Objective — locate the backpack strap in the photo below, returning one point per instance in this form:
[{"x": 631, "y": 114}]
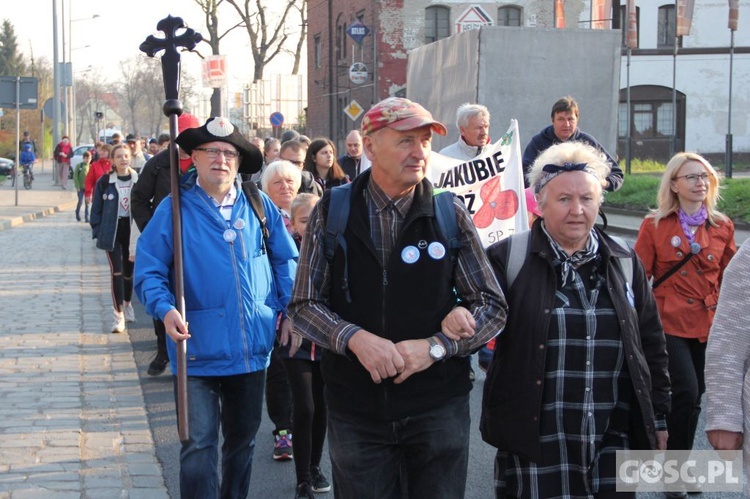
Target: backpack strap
[
  {"x": 626, "y": 262},
  {"x": 445, "y": 213},
  {"x": 338, "y": 216},
  {"x": 256, "y": 202},
  {"x": 518, "y": 246}
]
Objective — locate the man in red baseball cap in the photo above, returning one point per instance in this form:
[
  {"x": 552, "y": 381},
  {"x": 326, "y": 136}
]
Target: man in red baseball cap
[{"x": 396, "y": 370}]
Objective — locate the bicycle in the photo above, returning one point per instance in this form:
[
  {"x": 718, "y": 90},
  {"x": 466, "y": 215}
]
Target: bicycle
[{"x": 28, "y": 176}]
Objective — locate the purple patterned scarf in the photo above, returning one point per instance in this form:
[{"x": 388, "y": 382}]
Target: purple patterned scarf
[{"x": 696, "y": 220}]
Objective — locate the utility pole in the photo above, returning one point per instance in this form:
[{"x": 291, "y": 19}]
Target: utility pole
[{"x": 56, "y": 69}]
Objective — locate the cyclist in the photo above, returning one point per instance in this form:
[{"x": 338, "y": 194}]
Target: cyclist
[{"x": 27, "y": 160}]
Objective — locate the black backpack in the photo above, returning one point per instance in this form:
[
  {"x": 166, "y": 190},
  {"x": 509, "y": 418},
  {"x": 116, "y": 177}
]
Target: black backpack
[{"x": 256, "y": 202}]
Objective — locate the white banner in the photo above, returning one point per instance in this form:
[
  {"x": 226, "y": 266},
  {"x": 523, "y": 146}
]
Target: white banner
[{"x": 491, "y": 186}]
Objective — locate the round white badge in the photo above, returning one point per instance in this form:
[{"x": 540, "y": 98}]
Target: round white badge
[
  {"x": 230, "y": 235},
  {"x": 111, "y": 197},
  {"x": 675, "y": 241},
  {"x": 239, "y": 224},
  {"x": 410, "y": 254},
  {"x": 436, "y": 250}
]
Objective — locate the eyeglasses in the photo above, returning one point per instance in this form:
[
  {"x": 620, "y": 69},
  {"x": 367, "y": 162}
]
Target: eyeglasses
[
  {"x": 693, "y": 178},
  {"x": 214, "y": 153}
]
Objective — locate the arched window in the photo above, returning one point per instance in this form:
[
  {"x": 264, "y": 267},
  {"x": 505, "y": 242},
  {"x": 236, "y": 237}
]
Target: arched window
[
  {"x": 436, "y": 23},
  {"x": 652, "y": 121},
  {"x": 340, "y": 38},
  {"x": 509, "y": 15}
]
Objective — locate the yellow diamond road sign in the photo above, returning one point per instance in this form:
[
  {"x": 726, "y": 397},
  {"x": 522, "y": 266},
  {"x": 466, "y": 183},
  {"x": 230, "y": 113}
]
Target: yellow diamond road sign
[{"x": 354, "y": 110}]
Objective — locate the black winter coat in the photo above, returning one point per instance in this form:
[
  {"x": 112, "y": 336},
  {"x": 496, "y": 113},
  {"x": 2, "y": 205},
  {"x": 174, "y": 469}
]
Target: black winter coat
[
  {"x": 154, "y": 184},
  {"x": 512, "y": 401}
]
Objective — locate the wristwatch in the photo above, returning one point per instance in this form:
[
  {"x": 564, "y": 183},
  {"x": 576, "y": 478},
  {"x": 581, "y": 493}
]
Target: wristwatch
[{"x": 437, "y": 350}]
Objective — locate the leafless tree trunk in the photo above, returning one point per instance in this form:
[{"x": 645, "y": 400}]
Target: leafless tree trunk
[
  {"x": 267, "y": 38},
  {"x": 302, "y": 36},
  {"x": 129, "y": 93},
  {"x": 210, "y": 9}
]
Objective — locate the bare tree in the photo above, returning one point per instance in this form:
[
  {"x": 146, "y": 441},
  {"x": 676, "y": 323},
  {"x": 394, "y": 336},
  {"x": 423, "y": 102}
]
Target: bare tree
[
  {"x": 90, "y": 92},
  {"x": 210, "y": 10},
  {"x": 150, "y": 115},
  {"x": 129, "y": 92},
  {"x": 302, "y": 8},
  {"x": 267, "y": 38}
]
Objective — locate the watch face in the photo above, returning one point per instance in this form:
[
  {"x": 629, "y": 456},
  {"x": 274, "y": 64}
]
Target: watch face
[{"x": 437, "y": 352}]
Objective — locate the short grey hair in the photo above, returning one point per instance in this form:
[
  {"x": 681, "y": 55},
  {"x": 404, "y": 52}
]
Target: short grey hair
[
  {"x": 570, "y": 152},
  {"x": 467, "y": 111},
  {"x": 284, "y": 169}
]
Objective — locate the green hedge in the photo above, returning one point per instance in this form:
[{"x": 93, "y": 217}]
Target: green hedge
[{"x": 638, "y": 192}]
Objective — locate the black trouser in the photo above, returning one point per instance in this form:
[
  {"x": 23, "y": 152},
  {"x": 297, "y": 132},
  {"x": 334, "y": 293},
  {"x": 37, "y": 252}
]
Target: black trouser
[
  {"x": 161, "y": 339},
  {"x": 120, "y": 265},
  {"x": 278, "y": 396},
  {"x": 687, "y": 358},
  {"x": 310, "y": 415}
]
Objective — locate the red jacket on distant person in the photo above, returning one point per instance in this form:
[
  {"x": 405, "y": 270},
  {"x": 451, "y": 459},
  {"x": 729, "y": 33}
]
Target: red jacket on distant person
[
  {"x": 63, "y": 147},
  {"x": 98, "y": 168}
]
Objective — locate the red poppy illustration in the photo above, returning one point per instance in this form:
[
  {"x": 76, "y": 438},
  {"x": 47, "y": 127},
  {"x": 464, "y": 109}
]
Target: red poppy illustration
[{"x": 496, "y": 204}]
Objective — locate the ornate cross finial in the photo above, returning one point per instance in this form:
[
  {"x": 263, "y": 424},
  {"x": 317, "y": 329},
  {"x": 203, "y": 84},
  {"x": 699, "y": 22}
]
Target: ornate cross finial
[{"x": 170, "y": 61}]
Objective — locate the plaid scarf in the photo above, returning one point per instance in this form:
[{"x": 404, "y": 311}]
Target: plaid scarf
[{"x": 569, "y": 263}]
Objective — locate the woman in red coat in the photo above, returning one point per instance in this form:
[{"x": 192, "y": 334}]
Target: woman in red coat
[
  {"x": 63, "y": 152},
  {"x": 100, "y": 167},
  {"x": 688, "y": 234}
]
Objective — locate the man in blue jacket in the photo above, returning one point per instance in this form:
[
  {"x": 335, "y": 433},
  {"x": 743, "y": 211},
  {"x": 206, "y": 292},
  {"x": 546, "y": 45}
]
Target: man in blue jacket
[
  {"x": 236, "y": 282},
  {"x": 564, "y": 127}
]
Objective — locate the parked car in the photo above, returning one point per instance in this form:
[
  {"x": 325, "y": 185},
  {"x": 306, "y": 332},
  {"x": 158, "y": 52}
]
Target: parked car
[
  {"x": 78, "y": 156},
  {"x": 6, "y": 166}
]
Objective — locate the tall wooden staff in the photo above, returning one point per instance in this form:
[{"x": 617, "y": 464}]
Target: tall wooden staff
[{"x": 170, "y": 66}]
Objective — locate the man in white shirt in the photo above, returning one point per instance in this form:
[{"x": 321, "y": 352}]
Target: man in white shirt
[{"x": 473, "y": 122}]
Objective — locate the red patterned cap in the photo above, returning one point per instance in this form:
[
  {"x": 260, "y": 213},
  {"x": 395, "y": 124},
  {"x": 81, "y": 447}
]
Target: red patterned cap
[{"x": 400, "y": 114}]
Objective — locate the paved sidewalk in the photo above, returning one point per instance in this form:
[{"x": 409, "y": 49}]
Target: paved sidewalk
[
  {"x": 41, "y": 200},
  {"x": 72, "y": 420}
]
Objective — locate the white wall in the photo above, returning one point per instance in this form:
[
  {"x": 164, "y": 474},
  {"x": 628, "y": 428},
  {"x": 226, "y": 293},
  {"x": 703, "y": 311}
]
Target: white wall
[{"x": 703, "y": 78}]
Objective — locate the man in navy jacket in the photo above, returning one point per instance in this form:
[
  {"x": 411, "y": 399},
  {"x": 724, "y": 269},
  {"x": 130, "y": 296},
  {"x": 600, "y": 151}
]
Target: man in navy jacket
[{"x": 564, "y": 128}]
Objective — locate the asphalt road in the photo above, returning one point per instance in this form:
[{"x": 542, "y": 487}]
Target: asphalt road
[
  {"x": 273, "y": 479},
  {"x": 270, "y": 479}
]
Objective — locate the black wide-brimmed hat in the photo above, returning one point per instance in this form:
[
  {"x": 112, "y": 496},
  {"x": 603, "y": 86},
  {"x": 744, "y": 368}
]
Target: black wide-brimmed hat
[{"x": 219, "y": 129}]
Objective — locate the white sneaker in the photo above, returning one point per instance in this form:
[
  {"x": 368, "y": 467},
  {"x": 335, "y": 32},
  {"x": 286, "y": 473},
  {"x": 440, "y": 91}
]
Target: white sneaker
[
  {"x": 129, "y": 313},
  {"x": 118, "y": 322}
]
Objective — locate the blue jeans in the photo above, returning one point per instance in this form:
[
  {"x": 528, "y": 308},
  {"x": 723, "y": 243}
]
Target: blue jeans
[
  {"x": 78, "y": 206},
  {"x": 422, "y": 456},
  {"x": 236, "y": 403}
]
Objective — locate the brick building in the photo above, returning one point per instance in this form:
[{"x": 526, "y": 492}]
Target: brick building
[
  {"x": 701, "y": 77},
  {"x": 395, "y": 27}
]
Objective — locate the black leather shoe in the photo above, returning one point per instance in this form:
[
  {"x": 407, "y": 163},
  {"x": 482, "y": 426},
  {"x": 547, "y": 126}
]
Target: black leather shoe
[{"x": 158, "y": 366}]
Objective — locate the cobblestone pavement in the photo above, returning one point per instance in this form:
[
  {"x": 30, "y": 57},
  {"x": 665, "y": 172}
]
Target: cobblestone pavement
[{"x": 72, "y": 417}]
